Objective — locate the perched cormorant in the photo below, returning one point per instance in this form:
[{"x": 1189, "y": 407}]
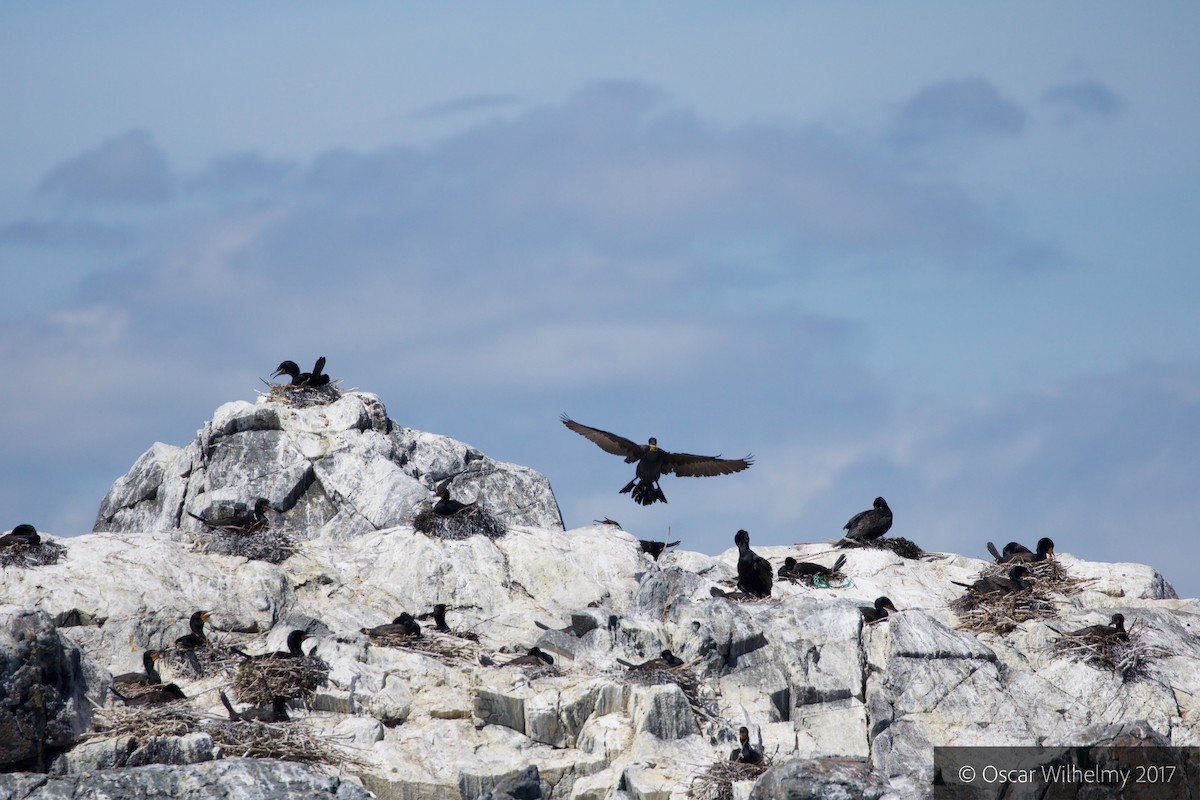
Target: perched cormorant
[
  {"x": 310, "y": 379},
  {"x": 746, "y": 754},
  {"x": 880, "y": 611},
  {"x": 870, "y": 524},
  {"x": 666, "y": 660},
  {"x": 403, "y": 625},
  {"x": 1015, "y": 553},
  {"x": 652, "y": 462},
  {"x": 439, "y": 617},
  {"x": 1114, "y": 630},
  {"x": 447, "y": 506},
  {"x": 245, "y": 522},
  {"x": 276, "y": 712},
  {"x": 295, "y": 640},
  {"x": 22, "y": 534},
  {"x": 168, "y": 693},
  {"x": 754, "y": 571},
  {"x": 148, "y": 678},
  {"x": 534, "y": 657},
  {"x": 793, "y": 569},
  {"x": 1000, "y": 584},
  {"x": 194, "y": 639},
  {"x": 655, "y": 549}
]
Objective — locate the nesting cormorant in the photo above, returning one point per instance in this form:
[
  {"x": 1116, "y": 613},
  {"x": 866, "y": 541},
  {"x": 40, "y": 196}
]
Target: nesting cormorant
[
  {"x": 999, "y": 584},
  {"x": 22, "y": 534},
  {"x": 168, "y": 693},
  {"x": 652, "y": 462},
  {"x": 534, "y": 657},
  {"x": 880, "y": 610},
  {"x": 245, "y": 522},
  {"x": 439, "y": 617},
  {"x": 666, "y": 660},
  {"x": 655, "y": 549},
  {"x": 1114, "y": 630},
  {"x": 310, "y": 379},
  {"x": 1015, "y": 553},
  {"x": 754, "y": 572},
  {"x": 793, "y": 569},
  {"x": 295, "y": 641},
  {"x": 746, "y": 753},
  {"x": 870, "y": 524},
  {"x": 276, "y": 712},
  {"x": 447, "y": 506},
  {"x": 194, "y": 639},
  {"x": 607, "y": 521},
  {"x": 148, "y": 678},
  {"x": 403, "y": 625}
]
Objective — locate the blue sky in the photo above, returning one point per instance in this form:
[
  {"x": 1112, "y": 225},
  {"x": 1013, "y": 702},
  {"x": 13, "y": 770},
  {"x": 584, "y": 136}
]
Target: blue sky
[{"x": 942, "y": 253}]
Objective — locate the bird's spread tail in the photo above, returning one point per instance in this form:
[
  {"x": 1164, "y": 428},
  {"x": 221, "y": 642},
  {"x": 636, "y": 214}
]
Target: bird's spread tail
[{"x": 647, "y": 493}]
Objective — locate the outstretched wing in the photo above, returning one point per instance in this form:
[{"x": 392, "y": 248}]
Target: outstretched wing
[
  {"x": 686, "y": 465},
  {"x": 608, "y": 442}
]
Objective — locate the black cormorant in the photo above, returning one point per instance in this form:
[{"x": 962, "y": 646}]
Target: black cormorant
[
  {"x": 793, "y": 569},
  {"x": 276, "y": 712},
  {"x": 746, "y": 753},
  {"x": 870, "y": 524},
  {"x": 655, "y": 549},
  {"x": 446, "y": 505},
  {"x": 534, "y": 657},
  {"x": 1114, "y": 630},
  {"x": 309, "y": 379},
  {"x": 880, "y": 610},
  {"x": 666, "y": 660},
  {"x": 1015, "y": 581},
  {"x": 148, "y": 678},
  {"x": 653, "y": 462},
  {"x": 403, "y": 625},
  {"x": 194, "y": 639},
  {"x": 754, "y": 571},
  {"x": 168, "y": 693},
  {"x": 439, "y": 617},
  {"x": 295, "y": 649},
  {"x": 1015, "y": 553},
  {"x": 245, "y": 522},
  {"x": 22, "y": 534}
]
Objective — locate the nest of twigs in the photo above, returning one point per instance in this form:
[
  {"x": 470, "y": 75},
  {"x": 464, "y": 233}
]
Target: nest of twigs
[
  {"x": 473, "y": 521},
  {"x": 686, "y": 680},
  {"x": 1001, "y": 613},
  {"x": 260, "y": 682},
  {"x": 264, "y": 545},
  {"x": 1049, "y": 575},
  {"x": 716, "y": 782},
  {"x": 448, "y": 649},
  {"x": 287, "y": 741},
  {"x": 43, "y": 554},
  {"x": 905, "y": 548},
  {"x": 214, "y": 657},
  {"x": 304, "y": 396},
  {"x": 1130, "y": 660}
]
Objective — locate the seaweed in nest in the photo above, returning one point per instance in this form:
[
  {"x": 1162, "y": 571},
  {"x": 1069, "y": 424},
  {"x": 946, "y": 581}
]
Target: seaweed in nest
[
  {"x": 716, "y": 782},
  {"x": 449, "y": 649},
  {"x": 1130, "y": 660},
  {"x": 214, "y": 657},
  {"x": 260, "y": 682},
  {"x": 304, "y": 396},
  {"x": 1001, "y": 613},
  {"x": 265, "y": 545},
  {"x": 473, "y": 521},
  {"x": 43, "y": 554},
  {"x": 905, "y": 548},
  {"x": 686, "y": 680}
]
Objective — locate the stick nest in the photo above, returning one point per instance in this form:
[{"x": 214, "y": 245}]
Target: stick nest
[
  {"x": 304, "y": 396},
  {"x": 905, "y": 548},
  {"x": 1128, "y": 660},
  {"x": 213, "y": 658},
  {"x": 449, "y": 649},
  {"x": 686, "y": 680},
  {"x": 260, "y": 682},
  {"x": 716, "y": 782},
  {"x": 1000, "y": 614},
  {"x": 287, "y": 741},
  {"x": 25, "y": 556},
  {"x": 473, "y": 521},
  {"x": 265, "y": 545}
]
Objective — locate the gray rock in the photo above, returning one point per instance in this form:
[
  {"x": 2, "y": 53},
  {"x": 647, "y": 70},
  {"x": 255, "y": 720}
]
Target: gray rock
[
  {"x": 129, "y": 751},
  {"x": 819, "y": 779},
  {"x": 226, "y": 779},
  {"x": 524, "y": 785},
  {"x": 43, "y": 706}
]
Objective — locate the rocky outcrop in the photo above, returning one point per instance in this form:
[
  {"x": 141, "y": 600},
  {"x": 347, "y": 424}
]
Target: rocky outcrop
[
  {"x": 842, "y": 708},
  {"x": 333, "y": 470}
]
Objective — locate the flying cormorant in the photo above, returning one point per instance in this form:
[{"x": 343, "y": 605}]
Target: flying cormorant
[
  {"x": 793, "y": 569},
  {"x": 447, "y": 506},
  {"x": 148, "y": 678},
  {"x": 276, "y": 712},
  {"x": 1000, "y": 584},
  {"x": 652, "y": 462},
  {"x": 746, "y": 753},
  {"x": 168, "y": 693},
  {"x": 1015, "y": 553},
  {"x": 666, "y": 660},
  {"x": 870, "y": 524},
  {"x": 754, "y": 572},
  {"x": 879, "y": 612},
  {"x": 22, "y": 534},
  {"x": 245, "y": 522},
  {"x": 403, "y": 625},
  {"x": 194, "y": 639}
]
